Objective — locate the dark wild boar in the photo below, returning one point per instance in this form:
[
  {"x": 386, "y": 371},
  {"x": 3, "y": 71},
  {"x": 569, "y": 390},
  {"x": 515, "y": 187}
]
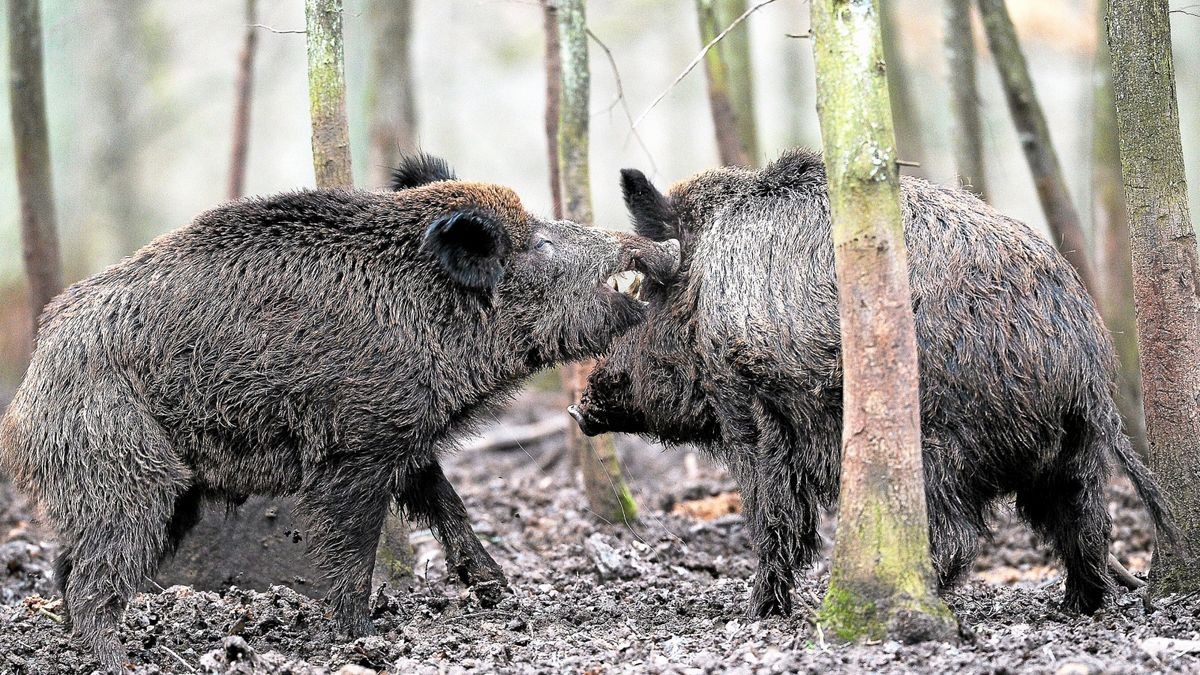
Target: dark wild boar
[
  {"x": 741, "y": 355},
  {"x": 325, "y": 344}
]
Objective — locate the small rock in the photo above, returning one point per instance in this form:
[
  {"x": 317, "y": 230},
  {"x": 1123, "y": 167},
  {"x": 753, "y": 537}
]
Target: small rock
[{"x": 610, "y": 562}]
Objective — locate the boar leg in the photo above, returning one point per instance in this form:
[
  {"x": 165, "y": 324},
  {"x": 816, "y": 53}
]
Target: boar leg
[
  {"x": 428, "y": 496},
  {"x": 956, "y": 518},
  {"x": 113, "y": 520},
  {"x": 343, "y": 509},
  {"x": 1070, "y": 513},
  {"x": 781, "y": 513}
]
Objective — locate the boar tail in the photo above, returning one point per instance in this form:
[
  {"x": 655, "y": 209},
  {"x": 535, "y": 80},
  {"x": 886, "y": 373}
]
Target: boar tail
[{"x": 1145, "y": 484}]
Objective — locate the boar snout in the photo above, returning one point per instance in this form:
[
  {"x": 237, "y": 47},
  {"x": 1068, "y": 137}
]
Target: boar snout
[{"x": 659, "y": 261}]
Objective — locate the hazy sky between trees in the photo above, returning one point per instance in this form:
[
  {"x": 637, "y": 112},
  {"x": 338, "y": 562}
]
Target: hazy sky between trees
[{"x": 168, "y": 89}]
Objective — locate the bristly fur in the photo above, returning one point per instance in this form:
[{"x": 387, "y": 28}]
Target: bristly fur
[
  {"x": 420, "y": 169},
  {"x": 742, "y": 356},
  {"x": 649, "y": 210},
  {"x": 326, "y": 344}
]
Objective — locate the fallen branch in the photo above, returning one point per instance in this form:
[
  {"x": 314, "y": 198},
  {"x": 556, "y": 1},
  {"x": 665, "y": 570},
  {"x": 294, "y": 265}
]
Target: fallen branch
[
  {"x": 1122, "y": 575},
  {"x": 513, "y": 437}
]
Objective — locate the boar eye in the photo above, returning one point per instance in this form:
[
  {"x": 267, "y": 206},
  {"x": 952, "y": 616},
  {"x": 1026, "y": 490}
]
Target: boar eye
[{"x": 545, "y": 247}]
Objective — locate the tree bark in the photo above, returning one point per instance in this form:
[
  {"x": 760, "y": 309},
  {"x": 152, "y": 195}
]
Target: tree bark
[
  {"x": 327, "y": 93},
  {"x": 730, "y": 81},
  {"x": 31, "y": 139},
  {"x": 241, "y": 111},
  {"x": 553, "y": 101},
  {"x": 1166, "y": 273},
  {"x": 1110, "y": 227},
  {"x": 607, "y": 494},
  {"x": 905, "y": 117},
  {"x": 390, "y": 100},
  {"x": 966, "y": 128},
  {"x": 881, "y": 583},
  {"x": 1034, "y": 134}
]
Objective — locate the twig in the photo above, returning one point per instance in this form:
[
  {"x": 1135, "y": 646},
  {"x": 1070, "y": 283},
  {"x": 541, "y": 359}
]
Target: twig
[
  {"x": 700, "y": 57},
  {"x": 50, "y": 615},
  {"x": 178, "y": 658},
  {"x": 798, "y": 36},
  {"x": 276, "y": 30},
  {"x": 905, "y": 162},
  {"x": 621, "y": 99}
]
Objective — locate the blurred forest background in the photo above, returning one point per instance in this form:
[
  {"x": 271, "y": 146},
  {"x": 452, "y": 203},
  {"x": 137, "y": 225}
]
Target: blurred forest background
[{"x": 140, "y": 97}]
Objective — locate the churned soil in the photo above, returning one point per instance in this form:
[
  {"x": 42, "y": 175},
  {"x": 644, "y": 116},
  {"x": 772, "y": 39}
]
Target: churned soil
[{"x": 667, "y": 593}]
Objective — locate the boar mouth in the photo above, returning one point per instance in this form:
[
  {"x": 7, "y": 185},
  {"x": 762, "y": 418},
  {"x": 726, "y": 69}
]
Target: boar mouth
[{"x": 627, "y": 283}]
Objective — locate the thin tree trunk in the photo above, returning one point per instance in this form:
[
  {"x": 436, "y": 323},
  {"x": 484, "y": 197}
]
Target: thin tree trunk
[
  {"x": 553, "y": 101},
  {"x": 391, "y": 101},
  {"x": 128, "y": 111},
  {"x": 1110, "y": 225},
  {"x": 27, "y": 101},
  {"x": 241, "y": 112},
  {"x": 1166, "y": 272},
  {"x": 607, "y": 494},
  {"x": 967, "y": 130},
  {"x": 905, "y": 117},
  {"x": 327, "y": 93},
  {"x": 730, "y": 81},
  {"x": 1030, "y": 121},
  {"x": 881, "y": 583}
]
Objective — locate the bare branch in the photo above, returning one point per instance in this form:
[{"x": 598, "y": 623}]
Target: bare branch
[
  {"x": 700, "y": 57},
  {"x": 623, "y": 101},
  {"x": 275, "y": 30}
]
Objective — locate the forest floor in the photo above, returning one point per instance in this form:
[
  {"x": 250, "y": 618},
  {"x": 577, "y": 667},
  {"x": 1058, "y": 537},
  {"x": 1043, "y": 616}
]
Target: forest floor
[{"x": 665, "y": 594}]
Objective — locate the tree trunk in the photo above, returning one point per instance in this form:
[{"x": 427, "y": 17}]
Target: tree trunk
[
  {"x": 1027, "y": 115},
  {"x": 1166, "y": 273},
  {"x": 131, "y": 115},
  {"x": 730, "y": 81},
  {"x": 553, "y": 101},
  {"x": 327, "y": 93},
  {"x": 967, "y": 130},
  {"x": 905, "y": 117},
  {"x": 881, "y": 583},
  {"x": 27, "y": 101},
  {"x": 607, "y": 494},
  {"x": 390, "y": 100},
  {"x": 241, "y": 112},
  {"x": 1110, "y": 227}
]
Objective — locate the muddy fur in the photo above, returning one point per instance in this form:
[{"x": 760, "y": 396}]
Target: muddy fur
[
  {"x": 741, "y": 355},
  {"x": 325, "y": 344}
]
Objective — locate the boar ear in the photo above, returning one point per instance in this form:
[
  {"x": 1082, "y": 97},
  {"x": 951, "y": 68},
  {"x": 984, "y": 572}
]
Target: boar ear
[
  {"x": 652, "y": 214},
  {"x": 472, "y": 247}
]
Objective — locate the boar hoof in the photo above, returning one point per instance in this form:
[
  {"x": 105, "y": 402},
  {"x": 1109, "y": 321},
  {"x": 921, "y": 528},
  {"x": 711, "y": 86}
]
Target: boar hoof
[{"x": 490, "y": 593}]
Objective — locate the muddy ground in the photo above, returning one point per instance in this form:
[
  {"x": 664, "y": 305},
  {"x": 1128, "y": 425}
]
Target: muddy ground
[{"x": 664, "y": 594}]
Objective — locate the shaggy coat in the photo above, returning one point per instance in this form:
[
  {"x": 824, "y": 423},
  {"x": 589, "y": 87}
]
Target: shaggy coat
[
  {"x": 325, "y": 344},
  {"x": 741, "y": 355}
]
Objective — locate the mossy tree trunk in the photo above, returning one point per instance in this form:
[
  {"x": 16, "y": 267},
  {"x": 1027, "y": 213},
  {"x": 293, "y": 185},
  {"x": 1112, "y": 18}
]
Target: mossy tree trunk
[
  {"x": 730, "y": 81},
  {"x": 553, "y": 101},
  {"x": 905, "y": 117},
  {"x": 241, "y": 107},
  {"x": 327, "y": 93},
  {"x": 966, "y": 127},
  {"x": 1027, "y": 115},
  {"x": 607, "y": 494},
  {"x": 31, "y": 140},
  {"x": 331, "y": 162},
  {"x": 390, "y": 100},
  {"x": 1166, "y": 272},
  {"x": 1110, "y": 228},
  {"x": 881, "y": 583}
]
